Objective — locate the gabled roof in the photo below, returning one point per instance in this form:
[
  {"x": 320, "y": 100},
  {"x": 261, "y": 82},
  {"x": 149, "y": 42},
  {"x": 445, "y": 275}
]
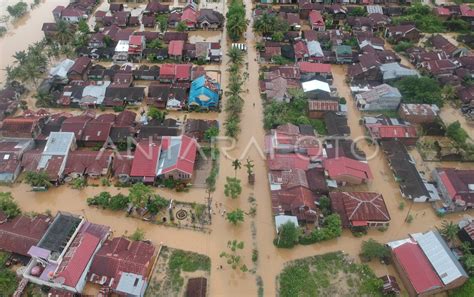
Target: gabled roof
[
  {"x": 145, "y": 161},
  {"x": 323, "y": 105},
  {"x": 287, "y": 162},
  {"x": 19, "y": 234},
  {"x": 176, "y": 47},
  {"x": 343, "y": 166},
  {"x": 309, "y": 67},
  {"x": 458, "y": 183},
  {"x": 178, "y": 153},
  {"x": 359, "y": 207},
  {"x": 80, "y": 65},
  {"x": 315, "y": 18}
]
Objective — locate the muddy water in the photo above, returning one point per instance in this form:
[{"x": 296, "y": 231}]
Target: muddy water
[
  {"x": 450, "y": 115},
  {"x": 28, "y": 32}
]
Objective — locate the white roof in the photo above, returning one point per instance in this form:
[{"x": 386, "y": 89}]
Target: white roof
[
  {"x": 58, "y": 143},
  {"x": 315, "y": 84},
  {"x": 440, "y": 256},
  {"x": 283, "y": 219},
  {"x": 61, "y": 69},
  {"x": 314, "y": 48},
  {"x": 122, "y": 46},
  {"x": 374, "y": 9},
  {"x": 95, "y": 93}
]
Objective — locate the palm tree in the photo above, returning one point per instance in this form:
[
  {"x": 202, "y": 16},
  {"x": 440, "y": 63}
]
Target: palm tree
[
  {"x": 236, "y": 27},
  {"x": 235, "y": 55},
  {"x": 237, "y": 165},
  {"x": 64, "y": 33},
  {"x": 43, "y": 99},
  {"x": 20, "y": 57},
  {"x": 265, "y": 24},
  {"x": 449, "y": 230}
]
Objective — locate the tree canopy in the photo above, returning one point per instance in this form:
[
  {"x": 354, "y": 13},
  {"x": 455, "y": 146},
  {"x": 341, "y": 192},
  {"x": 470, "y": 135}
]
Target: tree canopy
[
  {"x": 17, "y": 10},
  {"x": 288, "y": 235},
  {"x": 236, "y": 23},
  {"x": 232, "y": 188},
  {"x": 37, "y": 179},
  {"x": 8, "y": 205},
  {"x": 420, "y": 90},
  {"x": 457, "y": 133},
  {"x": 139, "y": 194},
  {"x": 235, "y": 217},
  {"x": 372, "y": 249}
]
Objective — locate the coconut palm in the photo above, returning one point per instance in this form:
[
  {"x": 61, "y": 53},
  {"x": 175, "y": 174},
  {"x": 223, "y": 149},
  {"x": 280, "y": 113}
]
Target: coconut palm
[
  {"x": 64, "y": 33},
  {"x": 449, "y": 230},
  {"x": 237, "y": 165},
  {"x": 236, "y": 26},
  {"x": 235, "y": 55},
  {"x": 265, "y": 24}
]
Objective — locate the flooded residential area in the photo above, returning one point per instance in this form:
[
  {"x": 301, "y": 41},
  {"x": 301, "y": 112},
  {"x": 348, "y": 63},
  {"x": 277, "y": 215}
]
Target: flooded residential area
[{"x": 236, "y": 148}]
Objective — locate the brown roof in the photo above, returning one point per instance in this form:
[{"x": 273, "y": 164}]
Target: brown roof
[
  {"x": 19, "y": 234},
  {"x": 316, "y": 180},
  {"x": 196, "y": 287},
  {"x": 87, "y": 162},
  {"x": 80, "y": 66},
  {"x": 359, "y": 206},
  {"x": 19, "y": 126},
  {"x": 323, "y": 105}
]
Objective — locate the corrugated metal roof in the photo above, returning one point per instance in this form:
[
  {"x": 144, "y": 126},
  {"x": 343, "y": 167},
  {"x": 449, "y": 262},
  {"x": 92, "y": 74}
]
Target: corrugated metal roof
[{"x": 442, "y": 259}]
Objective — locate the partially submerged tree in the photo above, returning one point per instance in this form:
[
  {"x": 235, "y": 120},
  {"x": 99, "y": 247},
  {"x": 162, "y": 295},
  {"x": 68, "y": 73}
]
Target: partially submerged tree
[
  {"x": 8, "y": 206},
  {"x": 237, "y": 165},
  {"x": 235, "y": 217},
  {"x": 449, "y": 230},
  {"x": 37, "y": 179},
  {"x": 138, "y": 235},
  {"x": 371, "y": 249},
  {"x": 232, "y": 188},
  {"x": 288, "y": 235},
  {"x": 139, "y": 194}
]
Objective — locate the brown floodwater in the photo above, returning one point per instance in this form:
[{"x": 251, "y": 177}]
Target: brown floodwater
[{"x": 227, "y": 282}]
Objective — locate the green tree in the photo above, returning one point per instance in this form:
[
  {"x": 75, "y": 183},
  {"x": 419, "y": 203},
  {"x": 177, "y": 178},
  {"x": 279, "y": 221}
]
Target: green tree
[
  {"x": 449, "y": 230},
  {"x": 83, "y": 27},
  {"x": 237, "y": 165},
  {"x": 278, "y": 36},
  {"x": 449, "y": 93},
  {"x": 138, "y": 235},
  {"x": 420, "y": 90},
  {"x": 249, "y": 165},
  {"x": 18, "y": 10},
  {"x": 325, "y": 205},
  {"x": 156, "y": 43},
  {"x": 288, "y": 235},
  {"x": 79, "y": 183},
  {"x": 236, "y": 22},
  {"x": 211, "y": 133},
  {"x": 156, "y": 114},
  {"x": 8, "y": 282},
  {"x": 181, "y": 27},
  {"x": 64, "y": 34},
  {"x": 156, "y": 203},
  {"x": 235, "y": 217},
  {"x": 139, "y": 194},
  {"x": 37, "y": 179},
  {"x": 371, "y": 249},
  {"x": 357, "y": 11},
  {"x": 118, "y": 202},
  {"x": 232, "y": 188},
  {"x": 8, "y": 206},
  {"x": 457, "y": 133},
  {"x": 162, "y": 21},
  {"x": 235, "y": 55},
  {"x": 232, "y": 127}
]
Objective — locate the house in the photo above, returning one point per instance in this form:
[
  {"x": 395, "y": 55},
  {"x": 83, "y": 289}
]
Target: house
[
  {"x": 11, "y": 152},
  {"x": 297, "y": 201},
  {"x": 149, "y": 21},
  {"x": 360, "y": 23},
  {"x": 382, "y": 97},
  {"x": 316, "y": 89},
  {"x": 114, "y": 7},
  {"x": 76, "y": 124},
  {"x": 145, "y": 162},
  {"x": 403, "y": 33},
  {"x": 466, "y": 12},
  {"x": 22, "y": 126},
  {"x": 92, "y": 164},
  {"x": 204, "y": 93},
  {"x": 177, "y": 158},
  {"x": 412, "y": 185},
  {"x": 79, "y": 69},
  {"x": 344, "y": 170},
  {"x": 439, "y": 68},
  {"x": 57, "y": 12},
  {"x": 317, "y": 181},
  {"x": 277, "y": 89},
  {"x": 175, "y": 49},
  {"x": 119, "y": 96},
  {"x": 316, "y": 21},
  {"x": 19, "y": 234},
  {"x": 121, "y": 168},
  {"x": 287, "y": 139},
  {"x": 466, "y": 94},
  {"x": 301, "y": 51},
  {"x": 360, "y": 209},
  {"x": 96, "y": 132},
  {"x": 343, "y": 54},
  {"x": 171, "y": 73},
  {"x": 287, "y": 162},
  {"x": 310, "y": 71},
  {"x": 97, "y": 40},
  {"x": 426, "y": 264},
  {"x": 196, "y": 128},
  {"x": 315, "y": 52},
  {"x": 124, "y": 266},
  {"x": 394, "y": 71},
  {"x": 136, "y": 45},
  {"x": 169, "y": 36},
  {"x": 455, "y": 187},
  {"x": 63, "y": 256},
  {"x": 166, "y": 96},
  {"x": 441, "y": 44},
  {"x": 49, "y": 29},
  {"x": 318, "y": 108},
  {"x": 190, "y": 15},
  {"x": 336, "y": 124},
  {"x": 404, "y": 133},
  {"x": 293, "y": 20},
  {"x": 154, "y": 6},
  {"x": 72, "y": 15},
  {"x": 379, "y": 20},
  {"x": 121, "y": 52},
  {"x": 418, "y": 113},
  {"x": 367, "y": 70},
  {"x": 209, "y": 19},
  {"x": 144, "y": 72}
]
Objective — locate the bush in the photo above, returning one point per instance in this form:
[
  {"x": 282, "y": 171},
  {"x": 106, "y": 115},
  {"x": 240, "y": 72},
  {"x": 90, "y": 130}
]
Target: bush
[
  {"x": 8, "y": 205},
  {"x": 138, "y": 235},
  {"x": 403, "y": 46},
  {"x": 331, "y": 229},
  {"x": 371, "y": 249},
  {"x": 457, "y": 133},
  {"x": 17, "y": 10},
  {"x": 401, "y": 206},
  {"x": 287, "y": 236}
]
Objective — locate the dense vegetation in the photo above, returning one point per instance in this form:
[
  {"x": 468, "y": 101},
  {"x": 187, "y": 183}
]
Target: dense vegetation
[
  {"x": 271, "y": 25},
  {"x": 331, "y": 228},
  {"x": 328, "y": 275},
  {"x": 457, "y": 133},
  {"x": 8, "y": 281},
  {"x": 8, "y": 205},
  {"x": 235, "y": 102},
  {"x": 18, "y": 10},
  {"x": 420, "y": 90},
  {"x": 236, "y": 23},
  {"x": 372, "y": 249}
]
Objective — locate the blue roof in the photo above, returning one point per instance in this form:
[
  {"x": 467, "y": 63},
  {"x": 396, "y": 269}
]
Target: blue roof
[{"x": 204, "y": 92}]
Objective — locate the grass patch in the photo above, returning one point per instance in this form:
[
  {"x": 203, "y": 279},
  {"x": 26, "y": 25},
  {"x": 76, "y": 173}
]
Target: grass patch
[
  {"x": 328, "y": 275},
  {"x": 187, "y": 262}
]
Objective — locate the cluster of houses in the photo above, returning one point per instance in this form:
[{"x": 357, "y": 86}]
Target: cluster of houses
[
  {"x": 118, "y": 40},
  {"x": 81, "y": 83},
  {"x": 66, "y": 147},
  {"x": 66, "y": 252},
  {"x": 303, "y": 168}
]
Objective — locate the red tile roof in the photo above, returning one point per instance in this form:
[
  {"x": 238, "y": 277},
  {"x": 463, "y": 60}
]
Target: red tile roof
[
  {"x": 418, "y": 269},
  {"x": 88, "y": 162},
  {"x": 443, "y": 11},
  {"x": 183, "y": 71},
  {"x": 359, "y": 206},
  {"x": 287, "y": 162},
  {"x": 189, "y": 15},
  {"x": 314, "y": 67},
  {"x": 344, "y": 166},
  {"x": 19, "y": 234},
  {"x": 315, "y": 18},
  {"x": 323, "y": 105},
  {"x": 79, "y": 258},
  {"x": 145, "y": 160},
  {"x": 466, "y": 10},
  {"x": 176, "y": 47},
  {"x": 186, "y": 156},
  {"x": 397, "y": 132},
  {"x": 121, "y": 255},
  {"x": 298, "y": 200}
]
